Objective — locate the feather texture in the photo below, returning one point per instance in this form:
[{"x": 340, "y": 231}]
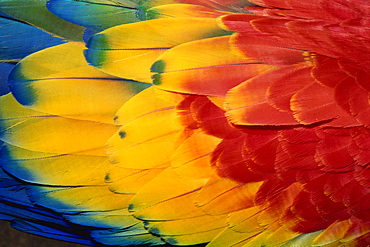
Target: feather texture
[{"x": 226, "y": 123}]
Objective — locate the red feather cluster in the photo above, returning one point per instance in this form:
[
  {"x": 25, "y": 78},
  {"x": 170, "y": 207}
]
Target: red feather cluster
[{"x": 309, "y": 117}]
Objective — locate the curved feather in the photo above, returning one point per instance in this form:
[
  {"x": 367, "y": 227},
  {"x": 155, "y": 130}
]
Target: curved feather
[
  {"x": 205, "y": 74},
  {"x": 19, "y": 39},
  {"x": 31, "y": 130},
  {"x": 96, "y": 15},
  {"x": 42, "y": 80},
  {"x": 36, "y": 13},
  {"x": 129, "y": 51},
  {"x": 181, "y": 11}
]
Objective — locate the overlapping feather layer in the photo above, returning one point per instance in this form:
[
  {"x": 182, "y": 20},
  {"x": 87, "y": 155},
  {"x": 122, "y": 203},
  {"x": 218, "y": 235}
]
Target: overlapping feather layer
[{"x": 187, "y": 122}]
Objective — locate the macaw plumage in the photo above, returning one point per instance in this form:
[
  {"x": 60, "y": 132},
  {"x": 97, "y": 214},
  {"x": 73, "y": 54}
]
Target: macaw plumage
[{"x": 225, "y": 123}]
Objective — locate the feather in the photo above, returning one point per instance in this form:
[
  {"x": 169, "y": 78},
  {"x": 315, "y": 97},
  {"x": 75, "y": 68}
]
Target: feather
[
  {"x": 23, "y": 164},
  {"x": 70, "y": 79},
  {"x": 19, "y": 39},
  {"x": 209, "y": 71},
  {"x": 131, "y": 236},
  {"x": 245, "y": 109},
  {"x": 36, "y": 13},
  {"x": 42, "y": 132},
  {"x": 186, "y": 122},
  {"x": 224, "y": 5},
  {"x": 157, "y": 190},
  {"x": 96, "y": 15},
  {"x": 182, "y": 11},
  {"x": 5, "y": 69},
  {"x": 188, "y": 161},
  {"x": 143, "y": 42}
]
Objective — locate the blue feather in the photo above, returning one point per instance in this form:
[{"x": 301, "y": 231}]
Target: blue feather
[
  {"x": 95, "y": 15},
  {"x": 18, "y": 39},
  {"x": 5, "y": 68}
]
